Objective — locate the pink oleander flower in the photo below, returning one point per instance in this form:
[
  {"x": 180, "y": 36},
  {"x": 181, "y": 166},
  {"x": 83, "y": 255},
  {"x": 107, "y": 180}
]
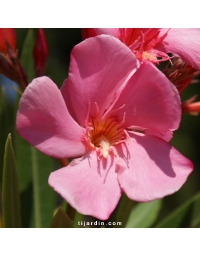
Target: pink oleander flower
[
  {"x": 153, "y": 44},
  {"x": 115, "y": 117}
]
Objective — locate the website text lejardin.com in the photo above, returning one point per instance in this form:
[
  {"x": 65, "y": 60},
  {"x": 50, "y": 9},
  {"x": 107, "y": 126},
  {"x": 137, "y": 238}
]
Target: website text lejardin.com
[{"x": 99, "y": 223}]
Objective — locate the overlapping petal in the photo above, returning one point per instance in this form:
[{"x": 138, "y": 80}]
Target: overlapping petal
[
  {"x": 185, "y": 43},
  {"x": 99, "y": 68},
  {"x": 116, "y": 32},
  {"x": 89, "y": 185},
  {"x": 182, "y": 42},
  {"x": 151, "y": 102},
  {"x": 154, "y": 168},
  {"x": 44, "y": 121},
  {"x": 90, "y": 32}
]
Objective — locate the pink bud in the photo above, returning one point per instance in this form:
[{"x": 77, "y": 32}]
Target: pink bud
[
  {"x": 191, "y": 107},
  {"x": 40, "y": 53},
  {"x": 7, "y": 35}
]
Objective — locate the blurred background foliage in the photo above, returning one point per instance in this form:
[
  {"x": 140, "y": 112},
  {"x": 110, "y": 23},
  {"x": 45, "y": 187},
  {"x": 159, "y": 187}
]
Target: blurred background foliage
[
  {"x": 38, "y": 202},
  {"x": 59, "y": 42}
]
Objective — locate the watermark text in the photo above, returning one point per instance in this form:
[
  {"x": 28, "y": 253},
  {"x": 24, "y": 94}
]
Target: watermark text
[{"x": 99, "y": 223}]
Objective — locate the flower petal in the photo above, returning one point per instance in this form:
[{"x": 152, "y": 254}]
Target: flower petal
[
  {"x": 44, "y": 121},
  {"x": 108, "y": 31},
  {"x": 89, "y": 185},
  {"x": 151, "y": 102},
  {"x": 154, "y": 168},
  {"x": 99, "y": 68},
  {"x": 184, "y": 42},
  {"x": 90, "y": 32}
]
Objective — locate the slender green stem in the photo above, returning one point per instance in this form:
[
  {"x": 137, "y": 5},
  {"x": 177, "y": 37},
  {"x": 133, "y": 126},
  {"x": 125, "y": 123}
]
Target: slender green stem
[{"x": 36, "y": 191}]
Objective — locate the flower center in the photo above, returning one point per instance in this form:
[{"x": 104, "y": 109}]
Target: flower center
[
  {"x": 143, "y": 42},
  {"x": 147, "y": 56},
  {"x": 105, "y": 133}
]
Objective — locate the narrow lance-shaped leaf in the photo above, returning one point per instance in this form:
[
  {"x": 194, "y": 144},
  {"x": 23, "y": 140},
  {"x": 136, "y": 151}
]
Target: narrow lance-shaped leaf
[
  {"x": 37, "y": 198},
  {"x": 7, "y": 120},
  {"x": 122, "y": 211},
  {"x": 61, "y": 220},
  {"x": 185, "y": 216},
  {"x": 77, "y": 219},
  {"x": 10, "y": 193},
  {"x": 144, "y": 214},
  {"x": 26, "y": 55}
]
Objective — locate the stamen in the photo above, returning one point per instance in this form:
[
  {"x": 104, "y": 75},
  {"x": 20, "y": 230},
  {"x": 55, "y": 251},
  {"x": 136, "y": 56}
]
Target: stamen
[
  {"x": 97, "y": 108},
  {"x": 114, "y": 111},
  {"x": 143, "y": 44},
  {"x": 104, "y": 133},
  {"x": 87, "y": 117},
  {"x": 140, "y": 52},
  {"x": 124, "y": 117}
]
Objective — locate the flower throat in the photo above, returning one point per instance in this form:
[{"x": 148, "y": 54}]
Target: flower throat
[{"x": 105, "y": 133}]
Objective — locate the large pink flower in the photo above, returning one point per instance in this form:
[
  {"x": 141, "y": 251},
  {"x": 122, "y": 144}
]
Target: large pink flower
[
  {"x": 153, "y": 44},
  {"x": 115, "y": 117}
]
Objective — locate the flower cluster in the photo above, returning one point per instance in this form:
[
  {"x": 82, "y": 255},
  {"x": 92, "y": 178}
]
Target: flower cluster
[{"x": 114, "y": 115}]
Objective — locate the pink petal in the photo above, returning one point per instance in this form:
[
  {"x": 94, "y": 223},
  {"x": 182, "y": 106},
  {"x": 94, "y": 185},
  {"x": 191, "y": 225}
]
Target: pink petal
[
  {"x": 154, "y": 168},
  {"x": 121, "y": 33},
  {"x": 98, "y": 70},
  {"x": 108, "y": 31},
  {"x": 89, "y": 185},
  {"x": 185, "y": 43},
  {"x": 44, "y": 121},
  {"x": 90, "y": 32},
  {"x": 151, "y": 101}
]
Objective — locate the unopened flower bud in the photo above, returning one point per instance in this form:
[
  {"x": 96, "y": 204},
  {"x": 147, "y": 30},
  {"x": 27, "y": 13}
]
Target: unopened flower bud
[
  {"x": 7, "y": 36},
  {"x": 40, "y": 53},
  {"x": 191, "y": 107}
]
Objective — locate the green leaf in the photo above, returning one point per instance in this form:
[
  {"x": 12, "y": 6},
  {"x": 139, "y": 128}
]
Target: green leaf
[
  {"x": 61, "y": 220},
  {"x": 37, "y": 198},
  {"x": 7, "y": 119},
  {"x": 1, "y": 132},
  {"x": 143, "y": 215},
  {"x": 122, "y": 211},
  {"x": 10, "y": 193},
  {"x": 185, "y": 216},
  {"x": 77, "y": 218},
  {"x": 26, "y": 54}
]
